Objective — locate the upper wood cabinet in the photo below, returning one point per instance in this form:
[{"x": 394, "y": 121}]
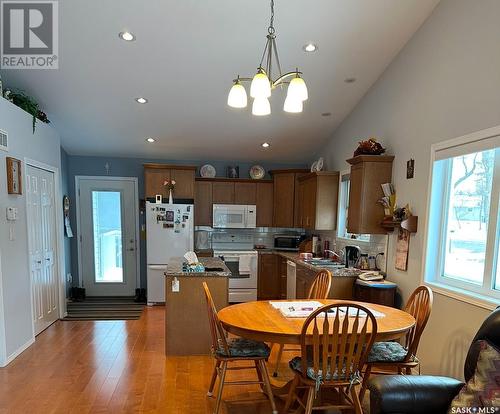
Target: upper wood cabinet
[
  {"x": 156, "y": 174},
  {"x": 264, "y": 202},
  {"x": 368, "y": 172},
  {"x": 203, "y": 203},
  {"x": 222, "y": 192},
  {"x": 245, "y": 193},
  {"x": 285, "y": 197},
  {"x": 317, "y": 200},
  {"x": 233, "y": 191}
]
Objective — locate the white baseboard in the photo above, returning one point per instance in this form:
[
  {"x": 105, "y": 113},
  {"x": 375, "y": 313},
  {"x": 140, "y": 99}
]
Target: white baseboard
[{"x": 17, "y": 352}]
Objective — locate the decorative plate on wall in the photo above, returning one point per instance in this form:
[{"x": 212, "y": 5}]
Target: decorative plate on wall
[
  {"x": 208, "y": 171},
  {"x": 257, "y": 172}
]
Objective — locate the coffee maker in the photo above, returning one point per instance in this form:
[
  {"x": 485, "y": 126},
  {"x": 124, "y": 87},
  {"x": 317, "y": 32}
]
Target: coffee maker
[{"x": 351, "y": 256}]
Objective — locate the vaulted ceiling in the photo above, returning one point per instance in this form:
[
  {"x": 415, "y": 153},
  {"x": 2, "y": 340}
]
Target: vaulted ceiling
[{"x": 184, "y": 58}]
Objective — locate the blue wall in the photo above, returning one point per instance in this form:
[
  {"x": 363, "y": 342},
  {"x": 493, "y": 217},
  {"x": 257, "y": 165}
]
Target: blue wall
[{"x": 133, "y": 167}]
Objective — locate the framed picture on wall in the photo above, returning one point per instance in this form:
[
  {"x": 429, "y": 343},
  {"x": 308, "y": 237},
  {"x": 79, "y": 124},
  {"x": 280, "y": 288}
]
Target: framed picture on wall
[{"x": 14, "y": 182}]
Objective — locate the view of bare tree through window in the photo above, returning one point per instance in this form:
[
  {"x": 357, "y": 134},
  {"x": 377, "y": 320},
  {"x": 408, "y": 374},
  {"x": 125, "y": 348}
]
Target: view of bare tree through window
[{"x": 468, "y": 215}]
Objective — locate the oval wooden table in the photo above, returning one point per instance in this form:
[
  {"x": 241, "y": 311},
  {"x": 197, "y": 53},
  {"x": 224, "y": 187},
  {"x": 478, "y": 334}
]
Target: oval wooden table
[{"x": 262, "y": 322}]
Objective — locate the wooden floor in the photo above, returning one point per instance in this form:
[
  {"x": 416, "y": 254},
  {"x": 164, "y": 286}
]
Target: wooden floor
[
  {"x": 115, "y": 367},
  {"x": 118, "y": 367}
]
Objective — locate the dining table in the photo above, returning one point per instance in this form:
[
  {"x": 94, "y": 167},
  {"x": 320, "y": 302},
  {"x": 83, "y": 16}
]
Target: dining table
[{"x": 261, "y": 321}]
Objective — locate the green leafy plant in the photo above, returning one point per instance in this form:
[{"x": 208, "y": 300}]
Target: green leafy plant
[{"x": 27, "y": 103}]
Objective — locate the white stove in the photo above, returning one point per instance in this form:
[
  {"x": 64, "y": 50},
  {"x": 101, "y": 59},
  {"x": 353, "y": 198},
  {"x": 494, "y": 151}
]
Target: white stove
[{"x": 240, "y": 257}]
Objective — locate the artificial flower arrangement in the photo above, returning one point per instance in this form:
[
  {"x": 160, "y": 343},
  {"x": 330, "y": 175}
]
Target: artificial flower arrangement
[
  {"x": 169, "y": 185},
  {"x": 369, "y": 147}
]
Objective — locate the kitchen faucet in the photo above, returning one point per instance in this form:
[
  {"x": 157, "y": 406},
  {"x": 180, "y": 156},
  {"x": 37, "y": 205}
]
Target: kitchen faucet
[{"x": 340, "y": 257}]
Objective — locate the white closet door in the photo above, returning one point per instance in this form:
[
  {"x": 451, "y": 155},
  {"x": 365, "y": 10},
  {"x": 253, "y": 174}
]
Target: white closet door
[{"x": 42, "y": 245}]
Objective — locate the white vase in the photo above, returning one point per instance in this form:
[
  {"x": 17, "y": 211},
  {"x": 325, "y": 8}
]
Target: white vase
[{"x": 170, "y": 200}]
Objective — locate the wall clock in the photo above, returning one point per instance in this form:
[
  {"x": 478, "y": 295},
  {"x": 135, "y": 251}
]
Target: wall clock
[{"x": 14, "y": 183}]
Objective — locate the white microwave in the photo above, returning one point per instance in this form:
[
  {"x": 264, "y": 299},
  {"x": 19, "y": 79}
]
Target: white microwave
[{"x": 234, "y": 216}]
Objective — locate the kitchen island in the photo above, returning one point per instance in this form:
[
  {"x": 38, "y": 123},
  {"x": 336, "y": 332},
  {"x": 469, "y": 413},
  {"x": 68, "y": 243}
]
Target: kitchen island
[{"x": 187, "y": 331}]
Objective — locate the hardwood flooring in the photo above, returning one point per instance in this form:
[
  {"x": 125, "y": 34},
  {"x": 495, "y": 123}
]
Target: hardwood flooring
[
  {"x": 119, "y": 367},
  {"x": 115, "y": 367}
]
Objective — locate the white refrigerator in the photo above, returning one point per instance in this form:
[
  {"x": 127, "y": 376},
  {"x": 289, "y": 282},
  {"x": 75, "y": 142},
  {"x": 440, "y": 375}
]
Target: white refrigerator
[{"x": 169, "y": 233}]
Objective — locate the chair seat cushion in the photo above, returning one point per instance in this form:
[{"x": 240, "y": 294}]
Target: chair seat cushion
[
  {"x": 387, "y": 352},
  {"x": 246, "y": 348},
  {"x": 483, "y": 388},
  {"x": 296, "y": 365}
]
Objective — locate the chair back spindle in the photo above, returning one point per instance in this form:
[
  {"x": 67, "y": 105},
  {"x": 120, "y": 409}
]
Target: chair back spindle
[
  {"x": 321, "y": 285},
  {"x": 342, "y": 336},
  {"x": 219, "y": 341},
  {"x": 419, "y": 305}
]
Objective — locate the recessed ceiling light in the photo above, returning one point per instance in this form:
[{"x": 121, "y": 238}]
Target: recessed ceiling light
[
  {"x": 326, "y": 114},
  {"x": 350, "y": 80},
  {"x": 141, "y": 100},
  {"x": 151, "y": 140},
  {"x": 127, "y": 36},
  {"x": 310, "y": 47},
  {"x": 266, "y": 145}
]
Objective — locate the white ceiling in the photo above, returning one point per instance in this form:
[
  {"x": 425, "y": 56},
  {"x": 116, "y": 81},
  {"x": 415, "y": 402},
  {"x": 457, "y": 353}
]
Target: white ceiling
[{"x": 186, "y": 54}]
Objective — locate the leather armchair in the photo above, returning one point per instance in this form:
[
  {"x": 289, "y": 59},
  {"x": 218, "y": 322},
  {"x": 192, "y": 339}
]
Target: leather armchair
[{"x": 422, "y": 394}]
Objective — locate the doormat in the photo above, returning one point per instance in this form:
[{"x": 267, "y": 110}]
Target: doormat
[{"x": 104, "y": 308}]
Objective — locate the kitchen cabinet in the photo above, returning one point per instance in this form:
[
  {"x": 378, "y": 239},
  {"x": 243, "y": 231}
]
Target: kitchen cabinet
[
  {"x": 264, "y": 202},
  {"x": 203, "y": 203},
  {"x": 286, "y": 197},
  {"x": 156, "y": 174},
  {"x": 382, "y": 296},
  {"x": 318, "y": 200},
  {"x": 245, "y": 193},
  {"x": 368, "y": 172},
  {"x": 304, "y": 279},
  {"x": 269, "y": 279},
  {"x": 222, "y": 192}
]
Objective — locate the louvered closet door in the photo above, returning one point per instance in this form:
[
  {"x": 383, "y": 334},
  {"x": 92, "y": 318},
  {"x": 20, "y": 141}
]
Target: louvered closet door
[{"x": 42, "y": 242}]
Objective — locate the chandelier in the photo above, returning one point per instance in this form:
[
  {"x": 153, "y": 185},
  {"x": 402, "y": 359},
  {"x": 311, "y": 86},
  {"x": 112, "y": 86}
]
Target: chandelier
[{"x": 263, "y": 83}]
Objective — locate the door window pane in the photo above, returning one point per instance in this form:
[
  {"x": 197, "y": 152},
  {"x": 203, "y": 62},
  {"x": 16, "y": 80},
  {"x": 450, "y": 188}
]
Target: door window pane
[
  {"x": 107, "y": 226},
  {"x": 468, "y": 213}
]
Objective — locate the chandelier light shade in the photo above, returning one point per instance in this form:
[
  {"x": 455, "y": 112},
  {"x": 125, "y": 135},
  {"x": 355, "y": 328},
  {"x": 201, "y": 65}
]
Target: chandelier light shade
[
  {"x": 297, "y": 89},
  {"x": 263, "y": 83},
  {"x": 261, "y": 107},
  {"x": 260, "y": 86},
  {"x": 237, "y": 97},
  {"x": 293, "y": 105}
]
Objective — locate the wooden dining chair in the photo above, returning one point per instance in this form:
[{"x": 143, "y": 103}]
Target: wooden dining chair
[
  {"x": 319, "y": 289},
  {"x": 226, "y": 350},
  {"x": 390, "y": 357},
  {"x": 335, "y": 341}
]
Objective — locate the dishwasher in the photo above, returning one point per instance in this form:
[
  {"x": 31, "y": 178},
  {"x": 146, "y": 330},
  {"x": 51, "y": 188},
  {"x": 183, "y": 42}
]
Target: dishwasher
[{"x": 291, "y": 282}]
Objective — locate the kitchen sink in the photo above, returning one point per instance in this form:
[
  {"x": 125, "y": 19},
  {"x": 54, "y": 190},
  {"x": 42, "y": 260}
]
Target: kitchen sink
[{"x": 324, "y": 263}]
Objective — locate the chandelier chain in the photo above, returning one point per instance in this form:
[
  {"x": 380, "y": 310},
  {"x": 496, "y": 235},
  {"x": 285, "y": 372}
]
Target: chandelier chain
[{"x": 271, "y": 29}]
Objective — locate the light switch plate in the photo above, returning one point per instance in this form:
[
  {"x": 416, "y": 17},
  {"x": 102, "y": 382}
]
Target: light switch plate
[{"x": 11, "y": 213}]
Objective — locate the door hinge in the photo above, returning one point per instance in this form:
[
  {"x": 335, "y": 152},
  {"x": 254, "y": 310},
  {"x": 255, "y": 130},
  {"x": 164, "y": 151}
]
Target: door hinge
[{"x": 80, "y": 238}]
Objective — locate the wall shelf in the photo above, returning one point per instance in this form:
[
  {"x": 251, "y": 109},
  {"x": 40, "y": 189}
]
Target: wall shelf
[{"x": 410, "y": 224}]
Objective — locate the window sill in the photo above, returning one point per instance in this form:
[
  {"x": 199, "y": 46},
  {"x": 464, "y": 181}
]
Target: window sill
[{"x": 462, "y": 295}]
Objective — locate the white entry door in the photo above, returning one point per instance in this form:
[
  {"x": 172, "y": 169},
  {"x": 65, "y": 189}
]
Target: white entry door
[
  {"x": 42, "y": 246},
  {"x": 108, "y": 235}
]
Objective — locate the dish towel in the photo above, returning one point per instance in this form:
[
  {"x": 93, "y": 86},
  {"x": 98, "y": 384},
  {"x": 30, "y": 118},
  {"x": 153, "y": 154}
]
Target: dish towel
[{"x": 244, "y": 263}]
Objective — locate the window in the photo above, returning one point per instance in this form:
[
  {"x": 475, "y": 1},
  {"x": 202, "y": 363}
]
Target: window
[
  {"x": 344, "y": 210},
  {"x": 463, "y": 227},
  {"x": 107, "y": 226}
]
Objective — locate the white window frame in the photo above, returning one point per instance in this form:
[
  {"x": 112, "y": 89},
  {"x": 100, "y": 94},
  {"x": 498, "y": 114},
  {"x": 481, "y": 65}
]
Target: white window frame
[
  {"x": 485, "y": 295},
  {"x": 341, "y": 216}
]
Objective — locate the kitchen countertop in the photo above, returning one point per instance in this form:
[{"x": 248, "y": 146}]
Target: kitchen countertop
[
  {"x": 294, "y": 257},
  {"x": 174, "y": 268}
]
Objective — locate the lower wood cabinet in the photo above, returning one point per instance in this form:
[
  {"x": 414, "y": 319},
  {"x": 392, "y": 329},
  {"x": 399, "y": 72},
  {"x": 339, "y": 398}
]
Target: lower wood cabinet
[
  {"x": 304, "y": 280},
  {"x": 269, "y": 280}
]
